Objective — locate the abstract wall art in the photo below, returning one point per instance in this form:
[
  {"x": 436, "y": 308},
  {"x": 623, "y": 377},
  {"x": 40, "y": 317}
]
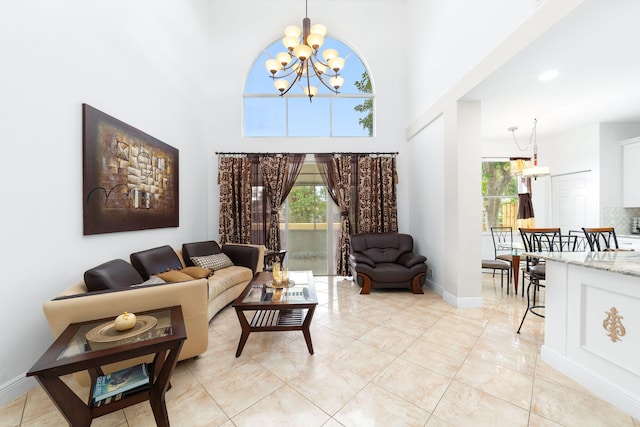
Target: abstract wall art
[{"x": 130, "y": 179}]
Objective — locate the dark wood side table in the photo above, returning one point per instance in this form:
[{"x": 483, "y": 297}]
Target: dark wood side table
[
  {"x": 273, "y": 256},
  {"x": 71, "y": 353}
]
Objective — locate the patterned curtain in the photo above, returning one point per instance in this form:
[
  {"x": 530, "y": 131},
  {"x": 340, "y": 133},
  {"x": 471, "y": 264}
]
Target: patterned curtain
[
  {"x": 377, "y": 203},
  {"x": 337, "y": 176},
  {"x": 234, "y": 178},
  {"x": 279, "y": 173}
]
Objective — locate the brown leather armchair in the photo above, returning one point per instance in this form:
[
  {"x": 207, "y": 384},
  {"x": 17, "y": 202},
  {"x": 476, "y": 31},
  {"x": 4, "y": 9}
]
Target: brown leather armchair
[{"x": 386, "y": 260}]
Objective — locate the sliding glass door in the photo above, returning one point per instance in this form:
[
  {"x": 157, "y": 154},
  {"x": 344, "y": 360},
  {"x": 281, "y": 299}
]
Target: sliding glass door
[{"x": 310, "y": 223}]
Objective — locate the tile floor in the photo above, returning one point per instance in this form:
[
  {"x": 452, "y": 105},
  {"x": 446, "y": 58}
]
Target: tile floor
[{"x": 386, "y": 359}]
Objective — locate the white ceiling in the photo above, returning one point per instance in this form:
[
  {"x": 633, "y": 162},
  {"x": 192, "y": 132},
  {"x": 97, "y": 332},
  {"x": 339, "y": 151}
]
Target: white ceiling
[{"x": 596, "y": 50}]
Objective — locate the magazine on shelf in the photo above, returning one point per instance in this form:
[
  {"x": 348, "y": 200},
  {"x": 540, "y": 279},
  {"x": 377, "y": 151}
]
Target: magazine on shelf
[
  {"x": 122, "y": 381},
  {"x": 119, "y": 396}
]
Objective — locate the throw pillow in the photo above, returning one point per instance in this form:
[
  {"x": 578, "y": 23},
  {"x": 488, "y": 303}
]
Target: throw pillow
[
  {"x": 197, "y": 272},
  {"x": 174, "y": 276},
  {"x": 214, "y": 262},
  {"x": 153, "y": 280}
]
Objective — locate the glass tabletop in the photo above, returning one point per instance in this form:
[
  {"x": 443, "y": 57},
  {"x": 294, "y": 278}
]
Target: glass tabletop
[
  {"x": 300, "y": 290},
  {"x": 515, "y": 248},
  {"x": 101, "y": 334}
]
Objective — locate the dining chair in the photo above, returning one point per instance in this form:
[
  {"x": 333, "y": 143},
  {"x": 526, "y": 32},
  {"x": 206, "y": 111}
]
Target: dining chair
[
  {"x": 577, "y": 241},
  {"x": 502, "y": 246},
  {"x": 601, "y": 238},
  {"x": 537, "y": 240},
  {"x": 498, "y": 264}
]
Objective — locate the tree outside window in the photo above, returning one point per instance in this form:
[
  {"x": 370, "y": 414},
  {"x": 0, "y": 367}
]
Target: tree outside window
[{"x": 499, "y": 195}]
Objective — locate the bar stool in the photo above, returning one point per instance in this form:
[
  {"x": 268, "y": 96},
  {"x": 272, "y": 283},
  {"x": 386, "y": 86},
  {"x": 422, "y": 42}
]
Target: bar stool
[{"x": 538, "y": 240}]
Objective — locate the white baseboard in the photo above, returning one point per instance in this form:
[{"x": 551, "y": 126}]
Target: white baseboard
[
  {"x": 15, "y": 388},
  {"x": 626, "y": 402},
  {"x": 472, "y": 302}
]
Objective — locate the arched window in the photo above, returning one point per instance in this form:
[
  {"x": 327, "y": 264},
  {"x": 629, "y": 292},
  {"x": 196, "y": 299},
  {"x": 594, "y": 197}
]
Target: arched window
[{"x": 349, "y": 113}]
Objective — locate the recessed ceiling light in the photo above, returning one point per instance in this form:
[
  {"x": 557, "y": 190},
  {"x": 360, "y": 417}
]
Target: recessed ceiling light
[{"x": 548, "y": 75}]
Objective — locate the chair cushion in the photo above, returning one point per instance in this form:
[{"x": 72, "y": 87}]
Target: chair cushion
[
  {"x": 114, "y": 274},
  {"x": 382, "y": 254},
  {"x": 388, "y": 272},
  {"x": 539, "y": 271},
  {"x": 495, "y": 263},
  {"x": 155, "y": 260}
]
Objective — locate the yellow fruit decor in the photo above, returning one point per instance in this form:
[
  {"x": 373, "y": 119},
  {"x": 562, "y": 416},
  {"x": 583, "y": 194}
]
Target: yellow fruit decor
[{"x": 125, "y": 321}]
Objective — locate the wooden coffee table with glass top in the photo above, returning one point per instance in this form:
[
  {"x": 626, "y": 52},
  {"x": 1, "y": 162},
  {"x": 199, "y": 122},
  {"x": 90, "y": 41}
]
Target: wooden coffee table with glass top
[
  {"x": 274, "y": 308},
  {"x": 72, "y": 352}
]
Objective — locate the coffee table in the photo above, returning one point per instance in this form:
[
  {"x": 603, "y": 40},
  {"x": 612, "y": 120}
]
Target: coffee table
[
  {"x": 277, "y": 309},
  {"x": 71, "y": 352}
]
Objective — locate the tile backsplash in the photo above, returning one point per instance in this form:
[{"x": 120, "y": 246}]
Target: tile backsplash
[{"x": 621, "y": 219}]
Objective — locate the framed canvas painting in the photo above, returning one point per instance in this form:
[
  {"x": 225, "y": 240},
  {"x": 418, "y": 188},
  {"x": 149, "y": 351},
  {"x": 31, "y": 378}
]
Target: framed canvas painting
[{"x": 130, "y": 179}]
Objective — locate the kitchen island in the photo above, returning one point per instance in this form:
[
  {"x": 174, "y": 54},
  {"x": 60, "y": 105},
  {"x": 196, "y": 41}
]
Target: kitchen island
[{"x": 592, "y": 324}]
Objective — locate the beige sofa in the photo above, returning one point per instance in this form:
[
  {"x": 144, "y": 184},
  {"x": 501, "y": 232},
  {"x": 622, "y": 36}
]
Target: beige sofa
[{"x": 200, "y": 298}]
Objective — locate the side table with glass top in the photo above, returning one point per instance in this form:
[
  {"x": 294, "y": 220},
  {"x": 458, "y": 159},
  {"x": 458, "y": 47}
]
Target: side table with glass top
[
  {"x": 273, "y": 308},
  {"x": 72, "y": 352}
]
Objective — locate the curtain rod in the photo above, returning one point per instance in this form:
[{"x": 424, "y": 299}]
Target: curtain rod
[{"x": 364, "y": 153}]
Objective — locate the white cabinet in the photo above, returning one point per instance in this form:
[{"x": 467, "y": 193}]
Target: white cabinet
[
  {"x": 629, "y": 243},
  {"x": 631, "y": 173}
]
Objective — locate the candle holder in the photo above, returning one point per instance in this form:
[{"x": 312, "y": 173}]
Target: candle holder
[{"x": 276, "y": 272}]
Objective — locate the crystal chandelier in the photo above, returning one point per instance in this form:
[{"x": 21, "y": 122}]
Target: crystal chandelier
[{"x": 301, "y": 62}]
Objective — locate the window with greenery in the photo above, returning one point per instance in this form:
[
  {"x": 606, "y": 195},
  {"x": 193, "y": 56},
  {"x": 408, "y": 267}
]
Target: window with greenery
[
  {"x": 349, "y": 113},
  {"x": 499, "y": 194},
  {"x": 310, "y": 221}
]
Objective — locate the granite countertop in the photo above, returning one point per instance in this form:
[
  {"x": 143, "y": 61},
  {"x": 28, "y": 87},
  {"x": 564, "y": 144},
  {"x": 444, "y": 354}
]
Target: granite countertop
[{"x": 623, "y": 262}]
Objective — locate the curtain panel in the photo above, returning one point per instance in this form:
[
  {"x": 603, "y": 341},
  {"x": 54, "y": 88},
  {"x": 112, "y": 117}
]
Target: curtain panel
[
  {"x": 336, "y": 173},
  {"x": 234, "y": 177},
  {"x": 377, "y": 202},
  {"x": 279, "y": 173}
]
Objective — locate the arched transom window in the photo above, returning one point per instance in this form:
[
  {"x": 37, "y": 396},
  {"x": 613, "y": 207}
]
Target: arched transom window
[{"x": 349, "y": 113}]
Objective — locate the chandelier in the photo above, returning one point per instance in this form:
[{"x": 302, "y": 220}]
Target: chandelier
[
  {"x": 535, "y": 171},
  {"x": 301, "y": 62}
]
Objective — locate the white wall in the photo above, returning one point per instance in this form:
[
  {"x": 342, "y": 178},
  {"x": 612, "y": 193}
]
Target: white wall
[
  {"x": 448, "y": 38},
  {"x": 426, "y": 216},
  {"x": 139, "y": 61}
]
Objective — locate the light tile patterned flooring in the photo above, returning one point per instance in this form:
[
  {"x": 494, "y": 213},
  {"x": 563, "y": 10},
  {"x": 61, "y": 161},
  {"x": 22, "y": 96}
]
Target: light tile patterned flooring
[{"x": 386, "y": 359}]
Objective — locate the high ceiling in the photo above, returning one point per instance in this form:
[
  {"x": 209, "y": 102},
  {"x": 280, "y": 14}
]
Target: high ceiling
[{"x": 596, "y": 50}]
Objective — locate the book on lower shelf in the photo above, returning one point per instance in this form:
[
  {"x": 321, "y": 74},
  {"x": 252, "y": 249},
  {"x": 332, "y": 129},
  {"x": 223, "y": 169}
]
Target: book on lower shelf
[{"x": 117, "y": 384}]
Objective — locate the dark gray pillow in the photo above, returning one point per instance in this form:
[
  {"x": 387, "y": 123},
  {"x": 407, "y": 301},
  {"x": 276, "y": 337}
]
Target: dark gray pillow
[{"x": 114, "y": 274}]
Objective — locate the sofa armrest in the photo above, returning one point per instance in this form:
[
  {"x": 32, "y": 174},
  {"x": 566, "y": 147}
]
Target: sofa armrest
[
  {"x": 244, "y": 255},
  {"x": 409, "y": 259},
  {"x": 191, "y": 295},
  {"x": 360, "y": 258}
]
